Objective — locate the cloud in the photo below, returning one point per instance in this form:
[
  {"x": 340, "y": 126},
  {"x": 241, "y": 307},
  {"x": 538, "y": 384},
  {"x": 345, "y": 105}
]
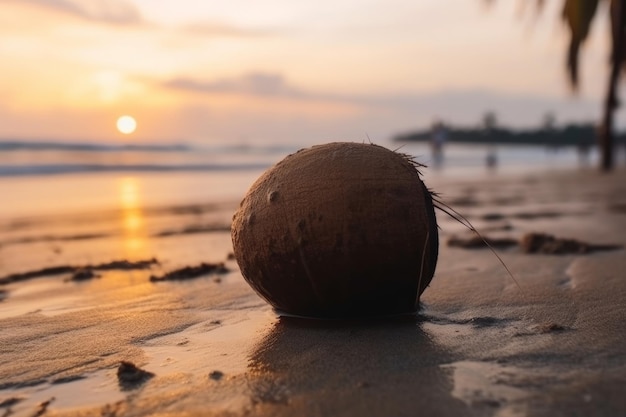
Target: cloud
[
  {"x": 256, "y": 83},
  {"x": 407, "y": 109},
  {"x": 118, "y": 12},
  {"x": 218, "y": 29}
]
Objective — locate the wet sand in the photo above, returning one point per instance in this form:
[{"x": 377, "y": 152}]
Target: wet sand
[{"x": 549, "y": 343}]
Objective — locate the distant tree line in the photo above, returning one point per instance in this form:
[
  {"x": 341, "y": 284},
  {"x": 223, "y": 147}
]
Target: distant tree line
[{"x": 569, "y": 135}]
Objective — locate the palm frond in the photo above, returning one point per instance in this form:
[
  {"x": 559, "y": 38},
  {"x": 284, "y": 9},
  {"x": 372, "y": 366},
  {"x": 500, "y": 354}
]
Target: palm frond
[
  {"x": 618, "y": 32},
  {"x": 578, "y": 14}
]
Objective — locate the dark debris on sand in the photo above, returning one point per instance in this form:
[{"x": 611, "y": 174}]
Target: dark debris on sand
[
  {"x": 129, "y": 376},
  {"x": 551, "y": 328},
  {"x": 10, "y": 402},
  {"x": 527, "y": 215},
  {"x": 83, "y": 274},
  {"x": 532, "y": 243},
  {"x": 464, "y": 201},
  {"x": 216, "y": 375},
  {"x": 80, "y": 272},
  {"x": 194, "y": 229},
  {"x": 190, "y": 272},
  {"x": 55, "y": 238},
  {"x": 42, "y": 407},
  {"x": 66, "y": 379},
  {"x": 540, "y": 215},
  {"x": 126, "y": 265},
  {"x": 548, "y": 244},
  {"x": 618, "y": 208},
  {"x": 492, "y": 217},
  {"x": 43, "y": 272},
  {"x": 476, "y": 242}
]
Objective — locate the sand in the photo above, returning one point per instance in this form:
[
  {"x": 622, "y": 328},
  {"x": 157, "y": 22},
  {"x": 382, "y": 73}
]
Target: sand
[{"x": 552, "y": 342}]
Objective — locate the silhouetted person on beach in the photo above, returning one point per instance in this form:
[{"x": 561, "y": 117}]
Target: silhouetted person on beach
[
  {"x": 584, "y": 149},
  {"x": 492, "y": 158},
  {"x": 439, "y": 135}
]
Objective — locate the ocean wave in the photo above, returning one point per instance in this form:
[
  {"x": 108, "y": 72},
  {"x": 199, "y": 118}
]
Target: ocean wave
[
  {"x": 54, "y": 169},
  {"x": 237, "y": 148},
  {"x": 43, "y": 157},
  {"x": 15, "y": 145}
]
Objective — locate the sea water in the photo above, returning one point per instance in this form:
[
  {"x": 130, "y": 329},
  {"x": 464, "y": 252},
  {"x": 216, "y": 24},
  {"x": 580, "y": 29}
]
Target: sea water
[{"x": 65, "y": 177}]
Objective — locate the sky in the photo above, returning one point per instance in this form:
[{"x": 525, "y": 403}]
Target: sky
[{"x": 280, "y": 71}]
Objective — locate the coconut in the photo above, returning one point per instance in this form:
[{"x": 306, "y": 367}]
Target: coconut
[{"x": 338, "y": 230}]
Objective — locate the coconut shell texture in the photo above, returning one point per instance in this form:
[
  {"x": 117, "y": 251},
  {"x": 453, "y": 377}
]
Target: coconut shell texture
[{"x": 338, "y": 230}]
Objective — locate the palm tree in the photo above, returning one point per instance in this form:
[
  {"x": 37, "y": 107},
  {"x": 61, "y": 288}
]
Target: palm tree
[{"x": 578, "y": 15}]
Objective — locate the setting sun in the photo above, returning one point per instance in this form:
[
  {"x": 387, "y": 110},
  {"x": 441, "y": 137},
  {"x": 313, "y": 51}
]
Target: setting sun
[{"x": 126, "y": 124}]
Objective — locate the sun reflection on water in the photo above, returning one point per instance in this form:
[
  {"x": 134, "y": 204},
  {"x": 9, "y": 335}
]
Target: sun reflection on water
[{"x": 133, "y": 224}]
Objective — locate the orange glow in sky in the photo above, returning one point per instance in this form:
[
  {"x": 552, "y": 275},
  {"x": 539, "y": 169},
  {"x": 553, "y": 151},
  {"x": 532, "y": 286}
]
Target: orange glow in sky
[{"x": 278, "y": 70}]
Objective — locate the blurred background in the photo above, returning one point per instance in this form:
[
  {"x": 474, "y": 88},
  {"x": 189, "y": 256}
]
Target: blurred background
[
  {"x": 98, "y": 91},
  {"x": 283, "y": 72}
]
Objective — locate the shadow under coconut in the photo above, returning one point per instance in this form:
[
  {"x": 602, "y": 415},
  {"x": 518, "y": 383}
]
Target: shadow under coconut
[{"x": 348, "y": 367}]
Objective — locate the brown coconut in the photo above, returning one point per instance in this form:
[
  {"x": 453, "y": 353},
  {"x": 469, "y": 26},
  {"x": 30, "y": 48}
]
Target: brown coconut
[{"x": 337, "y": 230}]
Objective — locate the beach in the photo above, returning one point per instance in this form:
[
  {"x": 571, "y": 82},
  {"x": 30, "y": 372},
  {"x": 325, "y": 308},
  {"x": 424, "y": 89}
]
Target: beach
[{"x": 130, "y": 302}]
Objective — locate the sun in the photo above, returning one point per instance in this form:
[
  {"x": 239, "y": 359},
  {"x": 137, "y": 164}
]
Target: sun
[{"x": 126, "y": 124}]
